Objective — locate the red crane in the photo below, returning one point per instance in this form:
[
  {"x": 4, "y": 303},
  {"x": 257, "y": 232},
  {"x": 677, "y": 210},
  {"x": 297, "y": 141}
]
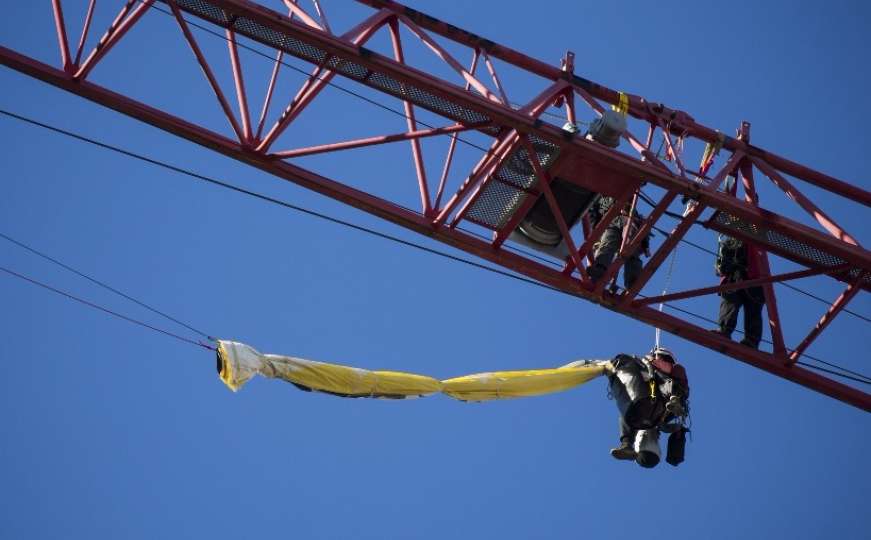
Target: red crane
[{"x": 534, "y": 181}]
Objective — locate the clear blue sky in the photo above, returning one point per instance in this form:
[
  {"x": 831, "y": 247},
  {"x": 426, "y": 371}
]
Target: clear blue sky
[{"x": 112, "y": 431}]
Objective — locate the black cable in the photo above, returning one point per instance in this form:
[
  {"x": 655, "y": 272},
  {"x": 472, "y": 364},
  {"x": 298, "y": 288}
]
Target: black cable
[
  {"x": 782, "y": 283},
  {"x": 831, "y": 372},
  {"x": 399, "y": 113},
  {"x": 324, "y": 216},
  {"x": 505, "y": 246},
  {"x": 551, "y": 114},
  {"x": 270, "y": 199},
  {"x": 769, "y": 342},
  {"x": 824, "y": 301},
  {"x": 521, "y": 251},
  {"x": 678, "y": 217},
  {"x": 104, "y": 285},
  {"x": 646, "y": 198},
  {"x": 105, "y": 310}
]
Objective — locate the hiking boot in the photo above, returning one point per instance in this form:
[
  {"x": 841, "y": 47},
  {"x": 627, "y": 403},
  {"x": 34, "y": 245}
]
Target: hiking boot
[{"x": 624, "y": 452}]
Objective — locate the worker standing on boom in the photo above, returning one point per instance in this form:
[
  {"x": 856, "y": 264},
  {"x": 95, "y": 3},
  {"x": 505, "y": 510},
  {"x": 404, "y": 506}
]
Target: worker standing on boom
[
  {"x": 612, "y": 238},
  {"x": 736, "y": 262}
]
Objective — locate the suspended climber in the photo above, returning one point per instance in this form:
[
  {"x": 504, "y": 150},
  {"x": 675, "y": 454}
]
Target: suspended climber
[{"x": 652, "y": 394}]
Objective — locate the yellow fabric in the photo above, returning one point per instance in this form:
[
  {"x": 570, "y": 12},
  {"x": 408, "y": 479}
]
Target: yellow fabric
[
  {"x": 240, "y": 362},
  {"x": 350, "y": 381},
  {"x": 514, "y": 384}
]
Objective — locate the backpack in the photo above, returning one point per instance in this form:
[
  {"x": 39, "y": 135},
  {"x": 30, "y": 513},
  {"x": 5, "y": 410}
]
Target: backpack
[
  {"x": 731, "y": 257},
  {"x": 676, "y": 447}
]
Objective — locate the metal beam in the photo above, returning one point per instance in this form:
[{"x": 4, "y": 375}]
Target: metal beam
[
  {"x": 608, "y": 161},
  {"x": 737, "y": 285},
  {"x": 638, "y": 106},
  {"x": 605, "y": 157}
]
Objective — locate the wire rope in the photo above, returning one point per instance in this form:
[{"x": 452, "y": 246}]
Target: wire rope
[
  {"x": 104, "y": 285},
  {"x": 103, "y": 309},
  {"x": 678, "y": 217},
  {"x": 325, "y": 217}
]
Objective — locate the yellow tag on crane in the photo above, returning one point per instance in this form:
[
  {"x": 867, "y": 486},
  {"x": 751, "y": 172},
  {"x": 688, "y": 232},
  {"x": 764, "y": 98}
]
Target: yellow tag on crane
[{"x": 622, "y": 106}]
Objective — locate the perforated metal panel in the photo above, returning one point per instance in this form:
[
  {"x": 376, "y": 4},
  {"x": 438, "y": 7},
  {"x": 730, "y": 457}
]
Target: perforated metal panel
[
  {"x": 496, "y": 204},
  {"x": 798, "y": 249},
  {"x": 546, "y": 150},
  {"x": 506, "y": 190},
  {"x": 204, "y": 10},
  {"x": 346, "y": 67}
]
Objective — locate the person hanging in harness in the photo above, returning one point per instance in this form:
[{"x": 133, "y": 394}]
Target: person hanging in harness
[
  {"x": 652, "y": 396},
  {"x": 738, "y": 261},
  {"x": 609, "y": 243}
]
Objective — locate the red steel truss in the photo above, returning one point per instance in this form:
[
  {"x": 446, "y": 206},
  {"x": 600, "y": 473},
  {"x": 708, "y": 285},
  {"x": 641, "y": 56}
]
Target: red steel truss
[{"x": 525, "y": 157}]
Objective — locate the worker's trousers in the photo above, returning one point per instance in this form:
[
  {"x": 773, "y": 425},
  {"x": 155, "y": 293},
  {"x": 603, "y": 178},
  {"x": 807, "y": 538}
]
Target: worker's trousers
[
  {"x": 751, "y": 300},
  {"x": 626, "y": 386},
  {"x": 605, "y": 251}
]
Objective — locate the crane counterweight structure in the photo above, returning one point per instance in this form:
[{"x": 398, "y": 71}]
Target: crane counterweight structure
[{"x": 535, "y": 182}]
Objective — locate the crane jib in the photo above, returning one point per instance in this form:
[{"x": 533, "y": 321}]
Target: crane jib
[{"x": 536, "y": 183}]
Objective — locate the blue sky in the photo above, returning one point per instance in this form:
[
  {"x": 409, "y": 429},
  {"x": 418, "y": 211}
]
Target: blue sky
[{"x": 114, "y": 431}]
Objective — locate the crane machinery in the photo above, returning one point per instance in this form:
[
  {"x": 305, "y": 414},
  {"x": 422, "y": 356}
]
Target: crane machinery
[{"x": 535, "y": 180}]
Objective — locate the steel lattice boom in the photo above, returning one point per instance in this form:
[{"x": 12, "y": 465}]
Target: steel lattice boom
[{"x": 532, "y": 169}]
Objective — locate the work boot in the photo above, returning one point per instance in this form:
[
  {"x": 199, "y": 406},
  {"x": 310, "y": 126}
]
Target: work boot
[
  {"x": 749, "y": 343},
  {"x": 648, "y": 460},
  {"x": 596, "y": 271},
  {"x": 624, "y": 452}
]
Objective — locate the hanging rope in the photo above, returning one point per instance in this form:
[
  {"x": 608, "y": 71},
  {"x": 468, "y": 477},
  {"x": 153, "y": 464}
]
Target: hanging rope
[{"x": 665, "y": 289}]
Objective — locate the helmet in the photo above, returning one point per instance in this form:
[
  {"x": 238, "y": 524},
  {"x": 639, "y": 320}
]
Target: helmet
[{"x": 662, "y": 351}]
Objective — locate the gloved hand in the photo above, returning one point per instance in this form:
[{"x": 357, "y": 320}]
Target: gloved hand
[{"x": 675, "y": 407}]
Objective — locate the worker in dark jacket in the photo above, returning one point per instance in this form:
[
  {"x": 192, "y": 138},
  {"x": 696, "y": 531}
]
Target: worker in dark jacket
[
  {"x": 738, "y": 261},
  {"x": 651, "y": 394},
  {"x": 609, "y": 243}
]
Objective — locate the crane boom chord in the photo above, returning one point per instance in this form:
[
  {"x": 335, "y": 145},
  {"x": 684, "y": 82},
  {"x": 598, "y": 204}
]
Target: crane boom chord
[{"x": 533, "y": 186}]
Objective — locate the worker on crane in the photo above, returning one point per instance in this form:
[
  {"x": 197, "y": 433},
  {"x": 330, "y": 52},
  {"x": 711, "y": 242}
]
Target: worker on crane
[
  {"x": 738, "y": 261},
  {"x": 651, "y": 394},
  {"x": 609, "y": 243}
]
